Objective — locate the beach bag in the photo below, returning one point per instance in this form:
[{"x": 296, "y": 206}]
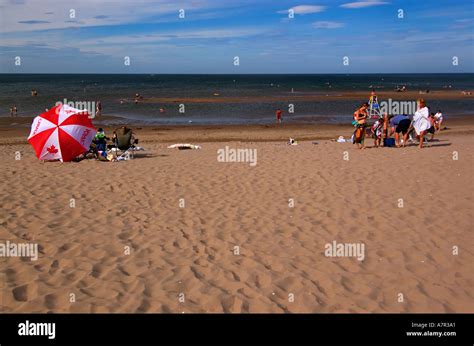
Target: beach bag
[{"x": 388, "y": 142}]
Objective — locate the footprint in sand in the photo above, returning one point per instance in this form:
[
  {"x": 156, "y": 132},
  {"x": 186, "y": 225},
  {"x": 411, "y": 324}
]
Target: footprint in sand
[
  {"x": 51, "y": 301},
  {"x": 54, "y": 267},
  {"x": 97, "y": 271},
  {"x": 20, "y": 293}
]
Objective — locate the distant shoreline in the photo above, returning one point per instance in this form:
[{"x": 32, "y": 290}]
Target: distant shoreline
[{"x": 242, "y": 74}]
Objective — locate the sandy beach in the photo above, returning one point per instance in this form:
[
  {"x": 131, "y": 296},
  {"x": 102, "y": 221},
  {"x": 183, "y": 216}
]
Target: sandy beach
[{"x": 179, "y": 231}]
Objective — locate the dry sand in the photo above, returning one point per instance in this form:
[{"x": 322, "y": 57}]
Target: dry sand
[{"x": 189, "y": 252}]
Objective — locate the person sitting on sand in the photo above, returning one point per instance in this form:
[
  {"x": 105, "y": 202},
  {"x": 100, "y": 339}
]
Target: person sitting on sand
[
  {"x": 100, "y": 140},
  {"x": 123, "y": 132},
  {"x": 421, "y": 121},
  {"x": 360, "y": 119},
  {"x": 377, "y": 130}
]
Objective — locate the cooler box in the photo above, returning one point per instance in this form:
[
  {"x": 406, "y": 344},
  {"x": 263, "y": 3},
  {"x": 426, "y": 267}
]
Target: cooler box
[{"x": 389, "y": 142}]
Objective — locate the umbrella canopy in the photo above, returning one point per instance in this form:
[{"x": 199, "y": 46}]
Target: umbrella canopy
[{"x": 62, "y": 133}]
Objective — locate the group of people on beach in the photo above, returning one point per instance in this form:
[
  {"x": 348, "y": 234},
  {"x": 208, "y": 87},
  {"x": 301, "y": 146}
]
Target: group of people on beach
[
  {"x": 402, "y": 126},
  {"x": 105, "y": 148}
]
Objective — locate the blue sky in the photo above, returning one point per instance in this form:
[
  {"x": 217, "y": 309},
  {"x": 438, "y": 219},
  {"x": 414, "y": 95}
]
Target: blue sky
[{"x": 370, "y": 33}]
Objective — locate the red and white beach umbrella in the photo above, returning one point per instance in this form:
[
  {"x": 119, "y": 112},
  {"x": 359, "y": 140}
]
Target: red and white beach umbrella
[{"x": 62, "y": 133}]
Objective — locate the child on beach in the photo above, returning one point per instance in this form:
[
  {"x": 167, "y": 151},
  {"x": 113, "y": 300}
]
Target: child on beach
[
  {"x": 100, "y": 140},
  {"x": 377, "y": 129}
]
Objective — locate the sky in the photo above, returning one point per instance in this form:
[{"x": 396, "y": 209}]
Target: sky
[{"x": 267, "y": 36}]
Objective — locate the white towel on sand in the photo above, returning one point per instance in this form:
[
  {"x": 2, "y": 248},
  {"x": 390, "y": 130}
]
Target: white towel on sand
[
  {"x": 182, "y": 146},
  {"x": 421, "y": 121}
]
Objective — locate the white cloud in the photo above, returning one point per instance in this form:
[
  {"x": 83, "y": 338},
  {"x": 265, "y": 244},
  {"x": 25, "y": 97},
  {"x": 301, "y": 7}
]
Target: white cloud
[
  {"x": 362, "y": 4},
  {"x": 305, "y": 9},
  {"x": 124, "y": 44},
  {"x": 33, "y": 15},
  {"x": 327, "y": 25}
]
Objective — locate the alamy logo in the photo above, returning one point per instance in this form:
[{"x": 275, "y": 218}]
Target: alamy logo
[
  {"x": 398, "y": 107},
  {"x": 237, "y": 155},
  {"x": 37, "y": 329},
  {"x": 335, "y": 249},
  {"x": 88, "y": 107},
  {"x": 9, "y": 249}
]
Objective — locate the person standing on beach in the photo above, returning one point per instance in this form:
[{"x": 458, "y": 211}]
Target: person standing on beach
[
  {"x": 360, "y": 119},
  {"x": 421, "y": 121},
  {"x": 278, "y": 116},
  {"x": 377, "y": 130}
]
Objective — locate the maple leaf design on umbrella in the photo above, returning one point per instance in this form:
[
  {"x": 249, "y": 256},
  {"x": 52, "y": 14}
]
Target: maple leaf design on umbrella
[{"x": 52, "y": 149}]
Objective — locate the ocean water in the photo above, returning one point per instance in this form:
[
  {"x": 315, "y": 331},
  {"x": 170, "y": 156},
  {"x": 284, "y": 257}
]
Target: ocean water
[{"x": 15, "y": 89}]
